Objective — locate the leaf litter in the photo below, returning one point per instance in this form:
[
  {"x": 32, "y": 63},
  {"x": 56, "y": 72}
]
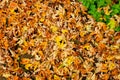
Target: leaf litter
[{"x": 56, "y": 40}]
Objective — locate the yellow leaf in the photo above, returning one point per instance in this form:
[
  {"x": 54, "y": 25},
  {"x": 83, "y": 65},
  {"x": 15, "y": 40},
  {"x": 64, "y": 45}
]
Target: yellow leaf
[
  {"x": 42, "y": 20},
  {"x": 64, "y": 31},
  {"x": 37, "y": 77},
  {"x": 68, "y": 61},
  {"x": 74, "y": 37},
  {"x": 25, "y": 43},
  {"x": 111, "y": 66},
  {"x": 60, "y": 41},
  {"x": 88, "y": 28},
  {"x": 110, "y": 57},
  {"x": 106, "y": 10},
  {"x": 54, "y": 28},
  {"x": 24, "y": 28},
  {"x": 73, "y": 75},
  {"x": 27, "y": 66},
  {"x": 112, "y": 24},
  {"x": 87, "y": 47},
  {"x": 12, "y": 11},
  {"x": 61, "y": 15},
  {"x": 28, "y": 12},
  {"x": 56, "y": 77},
  {"x": 35, "y": 65},
  {"x": 15, "y": 69},
  {"x": 82, "y": 33},
  {"x": 37, "y": 5},
  {"x": 114, "y": 47}
]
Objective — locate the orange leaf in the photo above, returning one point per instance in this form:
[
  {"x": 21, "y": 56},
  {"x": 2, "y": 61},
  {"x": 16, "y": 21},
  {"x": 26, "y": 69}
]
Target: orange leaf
[
  {"x": 44, "y": 45},
  {"x": 1, "y": 35},
  {"x": 13, "y": 5},
  {"x": 99, "y": 38},
  {"x": 106, "y": 76},
  {"x": 6, "y": 44},
  {"x": 15, "y": 78},
  {"x": 26, "y": 78},
  {"x": 101, "y": 46},
  {"x": 25, "y": 61}
]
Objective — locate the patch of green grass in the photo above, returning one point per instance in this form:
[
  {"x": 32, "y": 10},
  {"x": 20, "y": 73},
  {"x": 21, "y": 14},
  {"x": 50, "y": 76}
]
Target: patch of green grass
[{"x": 93, "y": 7}]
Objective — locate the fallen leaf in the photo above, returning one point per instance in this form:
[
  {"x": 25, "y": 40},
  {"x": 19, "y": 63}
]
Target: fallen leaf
[
  {"x": 68, "y": 61},
  {"x": 56, "y": 77},
  {"x": 111, "y": 66},
  {"x": 60, "y": 41},
  {"x": 27, "y": 66}
]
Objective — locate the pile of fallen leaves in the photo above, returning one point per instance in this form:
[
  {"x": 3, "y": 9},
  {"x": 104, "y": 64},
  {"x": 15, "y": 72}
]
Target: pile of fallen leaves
[{"x": 55, "y": 40}]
